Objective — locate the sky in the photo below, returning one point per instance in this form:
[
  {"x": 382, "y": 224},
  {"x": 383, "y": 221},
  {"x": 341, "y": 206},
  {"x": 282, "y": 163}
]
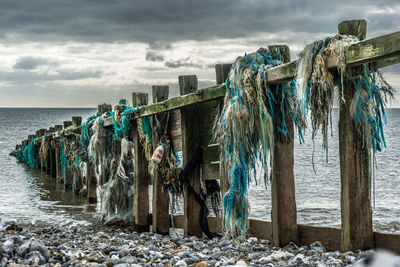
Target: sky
[{"x": 80, "y": 53}]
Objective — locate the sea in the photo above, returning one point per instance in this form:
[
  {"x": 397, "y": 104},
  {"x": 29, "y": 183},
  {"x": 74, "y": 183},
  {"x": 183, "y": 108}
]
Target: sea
[{"x": 30, "y": 198}]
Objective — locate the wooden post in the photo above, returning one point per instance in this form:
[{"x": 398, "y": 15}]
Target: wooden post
[
  {"x": 76, "y": 121},
  {"x": 354, "y": 164},
  {"x": 38, "y": 155},
  {"x": 283, "y": 213},
  {"x": 57, "y": 154},
  {"x": 47, "y": 158},
  {"x": 160, "y": 197},
  {"x": 142, "y": 175},
  {"x": 91, "y": 182},
  {"x": 42, "y": 160},
  {"x": 68, "y": 171},
  {"x": 222, "y": 72},
  {"x": 52, "y": 156},
  {"x": 190, "y": 145},
  {"x": 66, "y": 124}
]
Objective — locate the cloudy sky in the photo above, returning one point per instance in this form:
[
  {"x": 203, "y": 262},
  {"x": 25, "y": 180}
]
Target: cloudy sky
[{"x": 78, "y": 53}]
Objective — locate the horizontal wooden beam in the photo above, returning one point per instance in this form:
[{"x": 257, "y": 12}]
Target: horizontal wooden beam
[
  {"x": 383, "y": 50},
  {"x": 201, "y": 95},
  {"x": 329, "y": 236}
]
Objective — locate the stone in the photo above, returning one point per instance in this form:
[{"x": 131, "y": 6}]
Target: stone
[
  {"x": 109, "y": 263},
  {"x": 34, "y": 257},
  {"x": 38, "y": 245},
  {"x": 231, "y": 261},
  {"x": 201, "y": 264},
  {"x": 317, "y": 246},
  {"x": 23, "y": 249},
  {"x": 252, "y": 240},
  {"x": 180, "y": 263}
]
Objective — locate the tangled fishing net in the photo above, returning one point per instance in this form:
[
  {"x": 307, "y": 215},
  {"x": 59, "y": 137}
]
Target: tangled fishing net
[
  {"x": 28, "y": 153},
  {"x": 118, "y": 192},
  {"x": 317, "y": 85},
  {"x": 252, "y": 115}
]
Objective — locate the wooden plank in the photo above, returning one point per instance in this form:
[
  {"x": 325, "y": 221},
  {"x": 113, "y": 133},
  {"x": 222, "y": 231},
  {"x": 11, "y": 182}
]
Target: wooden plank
[
  {"x": 387, "y": 241},
  {"x": 142, "y": 175},
  {"x": 221, "y": 75},
  {"x": 76, "y": 121},
  {"x": 329, "y": 237},
  {"x": 160, "y": 197},
  {"x": 222, "y": 72},
  {"x": 91, "y": 181},
  {"x": 208, "y": 113},
  {"x": 211, "y": 153},
  {"x": 175, "y": 130},
  {"x": 354, "y": 169},
  {"x": 283, "y": 208},
  {"x": 260, "y": 229},
  {"x": 210, "y": 171},
  {"x": 190, "y": 146}
]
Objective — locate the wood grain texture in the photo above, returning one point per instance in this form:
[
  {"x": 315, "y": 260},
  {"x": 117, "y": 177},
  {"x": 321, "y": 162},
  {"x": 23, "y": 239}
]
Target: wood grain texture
[
  {"x": 190, "y": 144},
  {"x": 160, "y": 197},
  {"x": 142, "y": 175},
  {"x": 283, "y": 208},
  {"x": 354, "y": 169}
]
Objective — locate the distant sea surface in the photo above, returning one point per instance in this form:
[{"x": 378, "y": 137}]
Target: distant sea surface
[{"x": 29, "y": 197}]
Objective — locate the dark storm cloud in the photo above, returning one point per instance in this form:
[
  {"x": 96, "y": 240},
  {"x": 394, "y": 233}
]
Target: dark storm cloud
[
  {"x": 31, "y": 63},
  {"x": 154, "y": 56},
  {"x": 167, "y": 21}
]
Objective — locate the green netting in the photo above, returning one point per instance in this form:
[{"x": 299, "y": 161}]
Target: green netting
[
  {"x": 147, "y": 129},
  {"x": 86, "y": 134},
  {"x": 63, "y": 161},
  {"x": 28, "y": 153}
]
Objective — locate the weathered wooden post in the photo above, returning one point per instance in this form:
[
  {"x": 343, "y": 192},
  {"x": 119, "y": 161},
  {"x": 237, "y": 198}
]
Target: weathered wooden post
[
  {"x": 42, "y": 159},
  {"x": 57, "y": 151},
  {"x": 77, "y": 184},
  {"x": 66, "y": 124},
  {"x": 91, "y": 182},
  {"x": 38, "y": 155},
  {"x": 222, "y": 72},
  {"x": 354, "y": 164},
  {"x": 52, "y": 155},
  {"x": 47, "y": 155},
  {"x": 160, "y": 197},
  {"x": 283, "y": 208},
  {"x": 142, "y": 175},
  {"x": 67, "y": 171},
  {"x": 76, "y": 121},
  {"x": 190, "y": 146},
  {"x": 103, "y": 108}
]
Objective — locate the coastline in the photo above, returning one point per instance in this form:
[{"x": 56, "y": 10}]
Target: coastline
[{"x": 109, "y": 246}]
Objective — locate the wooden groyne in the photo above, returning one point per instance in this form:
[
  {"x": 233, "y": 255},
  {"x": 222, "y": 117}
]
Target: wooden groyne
[{"x": 191, "y": 117}]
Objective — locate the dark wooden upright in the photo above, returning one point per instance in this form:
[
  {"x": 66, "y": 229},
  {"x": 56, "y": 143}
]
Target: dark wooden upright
[
  {"x": 78, "y": 181},
  {"x": 190, "y": 142},
  {"x": 221, "y": 73},
  {"x": 142, "y": 175},
  {"x": 283, "y": 213},
  {"x": 91, "y": 181},
  {"x": 42, "y": 159},
  {"x": 57, "y": 156},
  {"x": 160, "y": 197},
  {"x": 354, "y": 164},
  {"x": 68, "y": 170}
]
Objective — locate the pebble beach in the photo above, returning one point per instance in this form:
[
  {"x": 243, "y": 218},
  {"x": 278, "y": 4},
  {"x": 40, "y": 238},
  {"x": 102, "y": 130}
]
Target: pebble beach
[{"x": 108, "y": 246}]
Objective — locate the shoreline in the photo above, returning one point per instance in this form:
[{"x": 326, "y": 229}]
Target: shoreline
[{"x": 110, "y": 246}]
